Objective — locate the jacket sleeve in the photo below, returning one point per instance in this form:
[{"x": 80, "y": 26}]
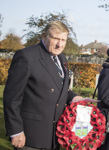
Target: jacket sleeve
[
  {"x": 71, "y": 95},
  {"x": 103, "y": 86},
  {"x": 13, "y": 93}
]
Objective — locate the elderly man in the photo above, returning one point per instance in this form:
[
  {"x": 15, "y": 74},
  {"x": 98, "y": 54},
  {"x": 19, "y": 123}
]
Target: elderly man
[{"x": 36, "y": 91}]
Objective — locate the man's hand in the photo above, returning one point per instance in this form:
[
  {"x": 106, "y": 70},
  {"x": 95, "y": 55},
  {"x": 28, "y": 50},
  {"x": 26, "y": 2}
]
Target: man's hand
[
  {"x": 77, "y": 98},
  {"x": 19, "y": 140}
]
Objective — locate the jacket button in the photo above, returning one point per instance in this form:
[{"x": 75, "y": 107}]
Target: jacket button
[
  {"x": 52, "y": 90},
  {"x": 57, "y": 104},
  {"x": 54, "y": 121}
]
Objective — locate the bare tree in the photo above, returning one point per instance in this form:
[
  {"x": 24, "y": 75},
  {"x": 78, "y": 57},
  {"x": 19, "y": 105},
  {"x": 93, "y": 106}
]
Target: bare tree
[
  {"x": 104, "y": 4},
  {"x": 37, "y": 24}
]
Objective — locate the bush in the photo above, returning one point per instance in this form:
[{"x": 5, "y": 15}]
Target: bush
[
  {"x": 85, "y": 74},
  {"x": 4, "y": 66}
]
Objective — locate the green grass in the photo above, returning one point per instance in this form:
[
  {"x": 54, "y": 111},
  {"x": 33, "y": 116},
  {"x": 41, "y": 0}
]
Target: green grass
[
  {"x": 4, "y": 143},
  {"x": 85, "y": 92}
]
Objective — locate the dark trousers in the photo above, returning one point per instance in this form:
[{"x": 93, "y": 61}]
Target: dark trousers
[{"x": 29, "y": 148}]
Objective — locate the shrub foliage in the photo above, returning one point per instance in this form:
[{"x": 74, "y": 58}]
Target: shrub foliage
[
  {"x": 4, "y": 66},
  {"x": 84, "y": 73}
]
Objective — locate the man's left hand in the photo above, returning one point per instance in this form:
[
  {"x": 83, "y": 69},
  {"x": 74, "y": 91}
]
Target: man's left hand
[{"x": 77, "y": 98}]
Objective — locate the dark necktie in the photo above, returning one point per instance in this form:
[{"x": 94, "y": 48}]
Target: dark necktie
[{"x": 58, "y": 67}]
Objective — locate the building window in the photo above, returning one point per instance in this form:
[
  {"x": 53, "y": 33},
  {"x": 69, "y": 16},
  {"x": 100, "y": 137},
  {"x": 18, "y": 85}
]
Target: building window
[
  {"x": 95, "y": 50},
  {"x": 89, "y": 50},
  {"x": 83, "y": 49}
]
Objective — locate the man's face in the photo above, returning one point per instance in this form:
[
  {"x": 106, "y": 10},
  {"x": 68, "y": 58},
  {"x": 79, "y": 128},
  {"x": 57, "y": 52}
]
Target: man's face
[{"x": 55, "y": 41}]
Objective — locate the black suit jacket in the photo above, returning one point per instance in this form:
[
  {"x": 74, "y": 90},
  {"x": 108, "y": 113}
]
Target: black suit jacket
[
  {"x": 103, "y": 89},
  {"x": 103, "y": 95},
  {"x": 34, "y": 97}
]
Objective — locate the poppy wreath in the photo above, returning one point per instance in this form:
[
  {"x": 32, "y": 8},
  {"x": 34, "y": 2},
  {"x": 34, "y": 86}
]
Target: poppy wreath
[{"x": 68, "y": 138}]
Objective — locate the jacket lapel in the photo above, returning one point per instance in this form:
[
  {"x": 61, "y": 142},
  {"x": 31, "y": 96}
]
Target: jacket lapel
[
  {"x": 66, "y": 78},
  {"x": 49, "y": 65}
]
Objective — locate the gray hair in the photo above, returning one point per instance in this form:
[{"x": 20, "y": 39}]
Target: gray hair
[{"x": 58, "y": 25}]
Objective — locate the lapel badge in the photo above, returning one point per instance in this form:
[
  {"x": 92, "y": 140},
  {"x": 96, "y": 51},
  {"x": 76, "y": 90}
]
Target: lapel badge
[{"x": 65, "y": 66}]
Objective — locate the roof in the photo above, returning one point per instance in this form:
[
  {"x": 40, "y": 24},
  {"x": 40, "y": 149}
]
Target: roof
[{"x": 94, "y": 45}]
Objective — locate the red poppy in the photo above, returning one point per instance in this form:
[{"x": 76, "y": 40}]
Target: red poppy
[{"x": 68, "y": 139}]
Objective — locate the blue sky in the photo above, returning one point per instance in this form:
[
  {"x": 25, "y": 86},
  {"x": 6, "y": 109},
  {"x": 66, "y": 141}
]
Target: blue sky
[{"x": 89, "y": 22}]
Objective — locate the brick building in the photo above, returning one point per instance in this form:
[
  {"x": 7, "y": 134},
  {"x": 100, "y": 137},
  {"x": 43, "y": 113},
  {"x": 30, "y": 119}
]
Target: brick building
[{"x": 94, "y": 48}]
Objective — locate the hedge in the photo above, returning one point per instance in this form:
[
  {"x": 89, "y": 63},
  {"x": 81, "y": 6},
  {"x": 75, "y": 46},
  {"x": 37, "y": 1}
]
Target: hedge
[
  {"x": 4, "y": 66},
  {"x": 84, "y": 73}
]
